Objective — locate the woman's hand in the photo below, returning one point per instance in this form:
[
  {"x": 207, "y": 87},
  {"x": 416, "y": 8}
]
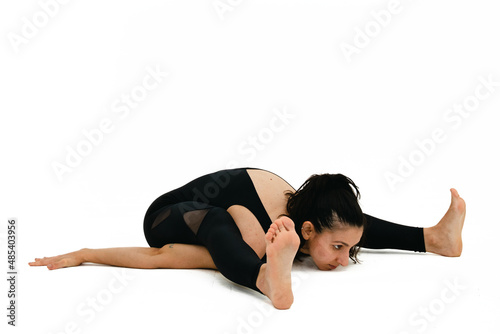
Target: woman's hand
[{"x": 60, "y": 261}]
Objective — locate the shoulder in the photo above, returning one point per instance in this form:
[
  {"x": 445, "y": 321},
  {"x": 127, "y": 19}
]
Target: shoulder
[{"x": 261, "y": 177}]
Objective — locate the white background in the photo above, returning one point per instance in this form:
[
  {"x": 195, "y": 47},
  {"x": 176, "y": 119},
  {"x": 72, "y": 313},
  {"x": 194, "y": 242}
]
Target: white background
[{"x": 232, "y": 66}]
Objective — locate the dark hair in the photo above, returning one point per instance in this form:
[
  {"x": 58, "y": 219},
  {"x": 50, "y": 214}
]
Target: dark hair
[{"x": 326, "y": 200}]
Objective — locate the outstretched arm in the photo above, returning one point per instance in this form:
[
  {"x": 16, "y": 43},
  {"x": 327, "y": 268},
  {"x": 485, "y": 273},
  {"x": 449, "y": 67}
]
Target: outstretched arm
[{"x": 131, "y": 257}]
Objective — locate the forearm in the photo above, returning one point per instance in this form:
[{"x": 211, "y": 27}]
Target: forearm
[{"x": 130, "y": 257}]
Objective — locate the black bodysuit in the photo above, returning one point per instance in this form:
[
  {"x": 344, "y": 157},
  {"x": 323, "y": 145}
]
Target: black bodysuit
[{"x": 196, "y": 213}]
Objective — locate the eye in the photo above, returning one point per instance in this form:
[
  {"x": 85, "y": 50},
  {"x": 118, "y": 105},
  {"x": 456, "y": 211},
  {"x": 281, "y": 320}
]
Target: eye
[{"x": 337, "y": 247}]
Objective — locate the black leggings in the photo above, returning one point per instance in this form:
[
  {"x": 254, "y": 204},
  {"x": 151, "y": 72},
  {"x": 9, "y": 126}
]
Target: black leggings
[
  {"x": 213, "y": 227},
  {"x": 380, "y": 234}
]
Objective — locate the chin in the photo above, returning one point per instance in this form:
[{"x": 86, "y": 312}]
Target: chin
[{"x": 324, "y": 267}]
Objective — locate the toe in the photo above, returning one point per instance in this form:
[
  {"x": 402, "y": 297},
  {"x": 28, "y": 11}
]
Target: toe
[
  {"x": 269, "y": 235},
  {"x": 288, "y": 224},
  {"x": 280, "y": 225},
  {"x": 272, "y": 230}
]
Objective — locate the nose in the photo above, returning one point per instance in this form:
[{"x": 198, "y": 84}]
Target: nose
[{"x": 343, "y": 259}]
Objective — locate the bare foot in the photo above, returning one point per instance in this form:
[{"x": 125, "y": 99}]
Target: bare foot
[
  {"x": 446, "y": 237},
  {"x": 274, "y": 280}
]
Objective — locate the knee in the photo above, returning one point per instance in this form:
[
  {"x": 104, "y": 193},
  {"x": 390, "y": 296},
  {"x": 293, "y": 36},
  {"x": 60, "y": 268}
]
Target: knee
[
  {"x": 219, "y": 218},
  {"x": 220, "y": 213},
  {"x": 216, "y": 223}
]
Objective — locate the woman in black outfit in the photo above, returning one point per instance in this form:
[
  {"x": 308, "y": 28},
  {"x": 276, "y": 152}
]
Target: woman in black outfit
[{"x": 250, "y": 224}]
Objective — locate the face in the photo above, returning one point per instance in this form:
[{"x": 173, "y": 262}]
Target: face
[{"x": 329, "y": 249}]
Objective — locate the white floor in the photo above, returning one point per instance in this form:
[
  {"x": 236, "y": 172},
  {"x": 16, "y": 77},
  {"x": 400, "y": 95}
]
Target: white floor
[
  {"x": 107, "y": 105},
  {"x": 390, "y": 292}
]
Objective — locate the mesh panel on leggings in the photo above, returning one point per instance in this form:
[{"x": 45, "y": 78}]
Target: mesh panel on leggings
[
  {"x": 194, "y": 218},
  {"x": 161, "y": 217}
]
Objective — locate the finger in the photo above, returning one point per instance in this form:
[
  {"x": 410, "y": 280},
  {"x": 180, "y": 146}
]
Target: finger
[
  {"x": 52, "y": 266},
  {"x": 43, "y": 261},
  {"x": 57, "y": 264},
  {"x": 37, "y": 262}
]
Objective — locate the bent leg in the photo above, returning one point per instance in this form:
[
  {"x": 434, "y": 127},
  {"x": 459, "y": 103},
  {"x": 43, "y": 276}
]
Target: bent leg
[
  {"x": 177, "y": 247},
  {"x": 199, "y": 224},
  {"x": 166, "y": 225},
  {"x": 233, "y": 257},
  {"x": 274, "y": 280},
  {"x": 381, "y": 234}
]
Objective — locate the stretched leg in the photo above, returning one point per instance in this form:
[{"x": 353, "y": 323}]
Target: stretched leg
[
  {"x": 174, "y": 256},
  {"x": 163, "y": 226},
  {"x": 444, "y": 239},
  {"x": 383, "y": 234},
  {"x": 182, "y": 256}
]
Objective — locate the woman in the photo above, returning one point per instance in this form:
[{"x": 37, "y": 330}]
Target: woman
[{"x": 250, "y": 224}]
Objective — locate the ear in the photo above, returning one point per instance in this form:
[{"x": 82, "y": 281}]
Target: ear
[{"x": 307, "y": 230}]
